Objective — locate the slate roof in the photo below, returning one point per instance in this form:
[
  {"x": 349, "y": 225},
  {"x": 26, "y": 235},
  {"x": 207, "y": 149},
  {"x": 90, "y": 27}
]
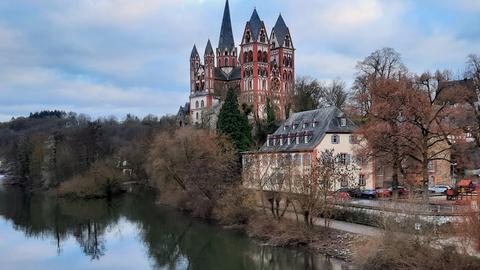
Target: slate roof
[
  {"x": 194, "y": 52},
  {"x": 226, "y": 35},
  {"x": 209, "y": 49},
  {"x": 327, "y": 120},
  {"x": 222, "y": 76},
  {"x": 255, "y": 24},
  {"x": 281, "y": 30}
]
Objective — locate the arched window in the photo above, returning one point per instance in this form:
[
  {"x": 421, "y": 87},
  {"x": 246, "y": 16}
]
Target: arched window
[
  {"x": 247, "y": 37},
  {"x": 196, "y": 104},
  {"x": 260, "y": 56},
  {"x": 265, "y": 57},
  {"x": 196, "y": 116},
  {"x": 245, "y": 57},
  {"x": 202, "y": 104},
  {"x": 250, "y": 56},
  {"x": 262, "y": 36},
  {"x": 226, "y": 61},
  {"x": 287, "y": 41}
]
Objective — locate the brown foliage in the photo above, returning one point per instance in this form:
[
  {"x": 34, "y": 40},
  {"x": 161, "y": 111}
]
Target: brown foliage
[
  {"x": 201, "y": 165},
  {"x": 101, "y": 180}
]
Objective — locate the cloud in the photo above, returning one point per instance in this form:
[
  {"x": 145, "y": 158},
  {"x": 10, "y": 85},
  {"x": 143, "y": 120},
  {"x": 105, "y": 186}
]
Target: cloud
[{"x": 127, "y": 56}]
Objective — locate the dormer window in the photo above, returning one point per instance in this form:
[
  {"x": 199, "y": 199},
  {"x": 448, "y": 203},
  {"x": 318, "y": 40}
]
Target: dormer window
[
  {"x": 297, "y": 139},
  {"x": 285, "y": 127},
  {"x": 306, "y": 138},
  {"x": 305, "y": 125},
  {"x": 343, "y": 122},
  {"x": 314, "y": 124},
  {"x": 294, "y": 126}
]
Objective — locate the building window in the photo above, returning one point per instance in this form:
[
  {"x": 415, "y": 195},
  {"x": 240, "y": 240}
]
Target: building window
[
  {"x": 361, "y": 180},
  {"x": 297, "y": 159},
  {"x": 352, "y": 139},
  {"x": 196, "y": 117},
  {"x": 196, "y": 104},
  {"x": 306, "y": 138},
  {"x": 202, "y": 104},
  {"x": 344, "y": 182},
  {"x": 308, "y": 160},
  {"x": 335, "y": 139},
  {"x": 343, "y": 122},
  {"x": 343, "y": 158},
  {"x": 297, "y": 139},
  {"x": 226, "y": 61}
]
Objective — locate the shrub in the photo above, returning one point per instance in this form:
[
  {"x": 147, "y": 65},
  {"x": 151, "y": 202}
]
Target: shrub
[{"x": 101, "y": 180}]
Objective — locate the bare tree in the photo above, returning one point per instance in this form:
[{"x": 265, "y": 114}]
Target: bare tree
[
  {"x": 333, "y": 93},
  {"x": 306, "y": 94},
  {"x": 314, "y": 188},
  {"x": 385, "y": 63}
]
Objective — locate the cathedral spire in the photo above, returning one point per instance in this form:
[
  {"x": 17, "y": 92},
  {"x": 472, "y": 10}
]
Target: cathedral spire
[
  {"x": 209, "y": 49},
  {"x": 255, "y": 24},
  {"x": 281, "y": 30},
  {"x": 226, "y": 34},
  {"x": 194, "y": 53}
]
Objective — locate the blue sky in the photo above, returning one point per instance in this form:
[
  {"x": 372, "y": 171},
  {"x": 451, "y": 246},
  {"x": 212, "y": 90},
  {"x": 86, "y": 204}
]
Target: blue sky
[{"x": 113, "y": 57}]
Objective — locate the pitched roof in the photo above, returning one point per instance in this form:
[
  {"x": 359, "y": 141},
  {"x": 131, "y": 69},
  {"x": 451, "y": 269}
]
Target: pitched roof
[
  {"x": 194, "y": 52},
  {"x": 226, "y": 35},
  {"x": 232, "y": 76},
  {"x": 209, "y": 49},
  {"x": 255, "y": 24},
  {"x": 327, "y": 120},
  {"x": 281, "y": 30}
]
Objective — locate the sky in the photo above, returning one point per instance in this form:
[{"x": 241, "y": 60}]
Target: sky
[{"x": 113, "y": 57}]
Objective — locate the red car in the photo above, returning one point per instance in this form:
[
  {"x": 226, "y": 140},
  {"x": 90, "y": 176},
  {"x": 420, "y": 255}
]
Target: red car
[
  {"x": 402, "y": 191},
  {"x": 383, "y": 192}
]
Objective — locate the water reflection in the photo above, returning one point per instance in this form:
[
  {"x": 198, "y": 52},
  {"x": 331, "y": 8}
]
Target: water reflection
[{"x": 127, "y": 233}]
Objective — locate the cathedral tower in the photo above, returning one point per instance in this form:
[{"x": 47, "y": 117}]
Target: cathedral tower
[
  {"x": 282, "y": 66},
  {"x": 226, "y": 50},
  {"x": 255, "y": 54}
]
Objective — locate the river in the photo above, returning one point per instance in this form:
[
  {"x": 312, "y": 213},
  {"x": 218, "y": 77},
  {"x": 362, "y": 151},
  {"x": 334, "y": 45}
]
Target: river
[{"x": 131, "y": 232}]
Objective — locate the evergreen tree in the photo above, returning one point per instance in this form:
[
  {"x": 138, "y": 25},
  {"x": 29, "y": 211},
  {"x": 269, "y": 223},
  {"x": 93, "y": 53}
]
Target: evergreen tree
[
  {"x": 271, "y": 124},
  {"x": 234, "y": 124}
]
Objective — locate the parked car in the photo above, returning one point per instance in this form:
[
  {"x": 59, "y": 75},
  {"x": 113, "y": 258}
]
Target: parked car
[
  {"x": 368, "y": 193},
  {"x": 402, "y": 191},
  {"x": 353, "y": 192},
  {"x": 383, "y": 192},
  {"x": 439, "y": 189}
]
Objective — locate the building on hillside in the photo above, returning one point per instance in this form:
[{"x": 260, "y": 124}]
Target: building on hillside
[
  {"x": 263, "y": 69},
  {"x": 305, "y": 135}
]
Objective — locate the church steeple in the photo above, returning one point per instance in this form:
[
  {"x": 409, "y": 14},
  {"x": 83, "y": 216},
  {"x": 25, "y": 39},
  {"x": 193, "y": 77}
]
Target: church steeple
[
  {"x": 226, "y": 51},
  {"x": 226, "y": 35},
  {"x": 194, "y": 53},
  {"x": 209, "y": 49}
]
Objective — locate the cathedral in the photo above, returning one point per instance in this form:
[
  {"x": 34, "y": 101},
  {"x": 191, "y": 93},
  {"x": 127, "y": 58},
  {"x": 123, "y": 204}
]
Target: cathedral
[{"x": 264, "y": 68}]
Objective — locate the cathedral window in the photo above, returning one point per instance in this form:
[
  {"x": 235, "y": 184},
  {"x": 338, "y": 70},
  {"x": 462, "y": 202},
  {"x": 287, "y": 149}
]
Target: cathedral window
[
  {"x": 202, "y": 104},
  {"x": 260, "y": 56},
  {"x": 196, "y": 104},
  {"x": 196, "y": 116},
  {"x": 226, "y": 61},
  {"x": 265, "y": 57},
  {"x": 250, "y": 56},
  {"x": 245, "y": 57},
  {"x": 262, "y": 36},
  {"x": 247, "y": 37},
  {"x": 287, "y": 41}
]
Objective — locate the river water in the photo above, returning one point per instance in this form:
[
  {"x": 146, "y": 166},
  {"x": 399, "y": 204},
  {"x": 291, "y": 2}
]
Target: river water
[{"x": 131, "y": 232}]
